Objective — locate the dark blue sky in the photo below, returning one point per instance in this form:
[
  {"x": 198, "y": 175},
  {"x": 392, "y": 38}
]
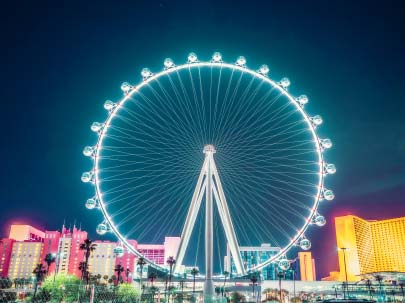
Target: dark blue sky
[{"x": 61, "y": 60}]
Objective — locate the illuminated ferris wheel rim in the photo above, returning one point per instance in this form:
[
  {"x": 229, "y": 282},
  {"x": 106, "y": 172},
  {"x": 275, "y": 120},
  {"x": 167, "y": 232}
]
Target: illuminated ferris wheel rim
[{"x": 170, "y": 68}]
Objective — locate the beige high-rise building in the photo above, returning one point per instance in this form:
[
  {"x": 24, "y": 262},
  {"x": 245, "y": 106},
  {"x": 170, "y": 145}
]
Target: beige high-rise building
[
  {"x": 102, "y": 260},
  {"x": 369, "y": 246},
  {"x": 24, "y": 258}
]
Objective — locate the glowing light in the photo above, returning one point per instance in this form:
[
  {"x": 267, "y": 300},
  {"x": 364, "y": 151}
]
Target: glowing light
[
  {"x": 328, "y": 194},
  {"x": 217, "y": 57},
  {"x": 302, "y": 100},
  {"x": 88, "y": 151},
  {"x": 168, "y": 63},
  {"x": 305, "y": 244},
  {"x": 284, "y": 264},
  {"x": 285, "y": 82},
  {"x": 87, "y": 177},
  {"x": 330, "y": 168},
  {"x": 126, "y": 87},
  {"x": 317, "y": 120},
  {"x": 109, "y": 105},
  {"x": 91, "y": 203},
  {"x": 118, "y": 251},
  {"x": 192, "y": 58},
  {"x": 320, "y": 220},
  {"x": 264, "y": 69},
  {"x": 102, "y": 229},
  {"x": 241, "y": 61},
  {"x": 96, "y": 126},
  {"x": 326, "y": 143},
  {"x": 146, "y": 73}
]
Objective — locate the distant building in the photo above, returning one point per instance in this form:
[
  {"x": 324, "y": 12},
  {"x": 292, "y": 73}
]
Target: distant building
[
  {"x": 25, "y": 233},
  {"x": 24, "y": 258},
  {"x": 306, "y": 266},
  {"x": 370, "y": 246},
  {"x": 27, "y": 246},
  {"x": 51, "y": 246},
  {"x": 128, "y": 260},
  {"x": 6, "y": 246},
  {"x": 102, "y": 260},
  {"x": 252, "y": 256}
]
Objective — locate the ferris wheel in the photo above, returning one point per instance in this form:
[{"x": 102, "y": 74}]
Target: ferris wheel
[{"x": 212, "y": 134}]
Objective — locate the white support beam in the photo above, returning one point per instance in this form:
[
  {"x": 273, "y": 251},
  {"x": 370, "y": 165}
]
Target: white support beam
[
  {"x": 191, "y": 217},
  {"x": 227, "y": 223}
]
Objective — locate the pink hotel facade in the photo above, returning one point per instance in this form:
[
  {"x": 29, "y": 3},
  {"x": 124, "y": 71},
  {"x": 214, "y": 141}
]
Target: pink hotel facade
[{"x": 27, "y": 246}]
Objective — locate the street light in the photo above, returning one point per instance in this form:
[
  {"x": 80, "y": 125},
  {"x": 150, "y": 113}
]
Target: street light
[{"x": 344, "y": 261}]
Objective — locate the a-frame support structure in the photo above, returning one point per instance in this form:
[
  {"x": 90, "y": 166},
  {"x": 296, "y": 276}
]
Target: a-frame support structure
[{"x": 209, "y": 184}]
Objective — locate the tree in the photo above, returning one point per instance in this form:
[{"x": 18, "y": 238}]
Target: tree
[
  {"x": 62, "y": 288},
  {"x": 237, "y": 297},
  {"x": 254, "y": 280},
  {"x": 152, "y": 277},
  {"x": 127, "y": 293},
  {"x": 119, "y": 269},
  {"x": 127, "y": 273},
  {"x": 368, "y": 284},
  {"x": 49, "y": 259},
  {"x": 141, "y": 263},
  {"x": 194, "y": 272},
  {"x": 379, "y": 279},
  {"x": 401, "y": 285},
  {"x": 39, "y": 273},
  {"x": 88, "y": 246},
  {"x": 83, "y": 268},
  {"x": 226, "y": 274},
  {"x": 170, "y": 261}
]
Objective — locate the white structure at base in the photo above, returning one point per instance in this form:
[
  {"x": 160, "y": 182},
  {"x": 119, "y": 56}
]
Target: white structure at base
[{"x": 209, "y": 184}]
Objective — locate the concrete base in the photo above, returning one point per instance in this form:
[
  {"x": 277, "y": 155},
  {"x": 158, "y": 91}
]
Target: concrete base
[{"x": 209, "y": 291}]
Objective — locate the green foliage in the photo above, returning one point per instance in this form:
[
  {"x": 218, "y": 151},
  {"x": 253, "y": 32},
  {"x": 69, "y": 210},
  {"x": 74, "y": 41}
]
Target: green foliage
[
  {"x": 5, "y": 283},
  {"x": 237, "y": 297},
  {"x": 64, "y": 288},
  {"x": 127, "y": 293}
]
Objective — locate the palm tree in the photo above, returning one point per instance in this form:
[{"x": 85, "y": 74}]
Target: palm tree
[
  {"x": 253, "y": 279},
  {"x": 226, "y": 274},
  {"x": 379, "y": 279},
  {"x": 152, "y": 277},
  {"x": 88, "y": 246},
  {"x": 170, "y": 261},
  {"x": 401, "y": 285},
  {"x": 127, "y": 272},
  {"x": 39, "y": 273},
  {"x": 368, "y": 284},
  {"x": 119, "y": 269},
  {"x": 194, "y": 272},
  {"x": 83, "y": 268},
  {"x": 49, "y": 259},
  {"x": 141, "y": 263}
]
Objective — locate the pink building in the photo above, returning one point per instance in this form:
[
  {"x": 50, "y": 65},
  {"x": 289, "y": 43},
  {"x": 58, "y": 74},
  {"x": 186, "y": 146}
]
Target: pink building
[
  {"x": 77, "y": 236},
  {"x": 159, "y": 253},
  {"x": 51, "y": 246},
  {"x": 128, "y": 259},
  {"x": 6, "y": 246},
  {"x": 21, "y": 232}
]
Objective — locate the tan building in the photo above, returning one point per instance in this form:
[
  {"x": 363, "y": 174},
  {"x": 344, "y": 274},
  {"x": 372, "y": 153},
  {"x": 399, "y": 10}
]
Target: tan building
[
  {"x": 102, "y": 260},
  {"x": 369, "y": 246},
  {"x": 307, "y": 266},
  {"x": 24, "y": 258},
  {"x": 63, "y": 258}
]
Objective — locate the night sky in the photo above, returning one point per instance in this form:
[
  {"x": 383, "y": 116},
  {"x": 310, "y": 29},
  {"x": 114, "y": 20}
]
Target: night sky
[{"x": 62, "y": 59}]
